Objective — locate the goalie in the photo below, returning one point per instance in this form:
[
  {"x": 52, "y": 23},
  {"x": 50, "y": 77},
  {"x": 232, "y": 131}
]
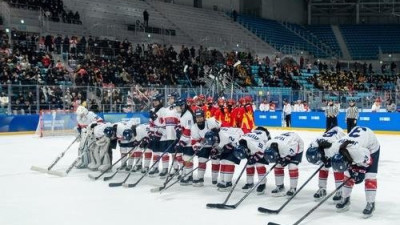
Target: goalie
[{"x": 87, "y": 120}]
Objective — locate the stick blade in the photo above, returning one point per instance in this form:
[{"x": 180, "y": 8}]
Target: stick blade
[
  {"x": 115, "y": 184},
  {"x": 126, "y": 185},
  {"x": 93, "y": 177},
  {"x": 107, "y": 178},
  {"x": 156, "y": 189},
  {"x": 57, "y": 173},
  {"x": 219, "y": 206},
  {"x": 39, "y": 169},
  {"x": 272, "y": 223},
  {"x": 265, "y": 210}
]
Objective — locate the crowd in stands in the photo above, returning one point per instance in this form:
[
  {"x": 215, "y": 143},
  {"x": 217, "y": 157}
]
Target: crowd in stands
[
  {"x": 53, "y": 9},
  {"x": 117, "y": 66}
]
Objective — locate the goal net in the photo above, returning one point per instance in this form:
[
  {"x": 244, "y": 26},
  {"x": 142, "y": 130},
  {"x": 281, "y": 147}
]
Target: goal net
[{"x": 56, "y": 123}]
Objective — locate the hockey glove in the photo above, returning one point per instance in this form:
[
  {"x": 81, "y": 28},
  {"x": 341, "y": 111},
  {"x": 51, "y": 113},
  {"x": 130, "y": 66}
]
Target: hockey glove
[
  {"x": 155, "y": 136},
  {"x": 214, "y": 153},
  {"x": 145, "y": 141},
  {"x": 357, "y": 173},
  {"x": 327, "y": 162},
  {"x": 153, "y": 115},
  {"x": 92, "y": 125},
  {"x": 284, "y": 161},
  {"x": 196, "y": 148},
  {"x": 178, "y": 131},
  {"x": 179, "y": 147}
]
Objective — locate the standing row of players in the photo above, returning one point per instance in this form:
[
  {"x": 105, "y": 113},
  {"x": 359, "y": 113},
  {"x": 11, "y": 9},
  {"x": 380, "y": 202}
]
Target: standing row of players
[{"x": 226, "y": 135}]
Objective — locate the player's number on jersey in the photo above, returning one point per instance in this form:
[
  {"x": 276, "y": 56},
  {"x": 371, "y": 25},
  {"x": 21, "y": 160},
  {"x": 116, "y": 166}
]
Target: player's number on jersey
[
  {"x": 329, "y": 134},
  {"x": 356, "y": 132}
]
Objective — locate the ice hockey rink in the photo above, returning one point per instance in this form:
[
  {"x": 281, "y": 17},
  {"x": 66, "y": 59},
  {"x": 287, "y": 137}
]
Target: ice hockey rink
[{"x": 32, "y": 198}]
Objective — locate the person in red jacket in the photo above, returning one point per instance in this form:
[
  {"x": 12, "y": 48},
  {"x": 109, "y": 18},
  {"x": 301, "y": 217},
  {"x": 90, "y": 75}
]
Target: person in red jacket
[
  {"x": 223, "y": 115},
  {"x": 210, "y": 109}
]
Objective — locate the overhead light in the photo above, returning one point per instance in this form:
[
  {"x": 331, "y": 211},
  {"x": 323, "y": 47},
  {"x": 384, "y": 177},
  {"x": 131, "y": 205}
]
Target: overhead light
[{"x": 22, "y": 21}]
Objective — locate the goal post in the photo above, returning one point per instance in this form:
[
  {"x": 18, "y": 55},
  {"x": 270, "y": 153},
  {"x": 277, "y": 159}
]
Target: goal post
[{"x": 56, "y": 123}]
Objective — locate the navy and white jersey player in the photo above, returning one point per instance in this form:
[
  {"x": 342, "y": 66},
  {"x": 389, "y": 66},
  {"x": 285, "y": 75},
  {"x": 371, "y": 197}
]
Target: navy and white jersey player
[
  {"x": 87, "y": 120},
  {"x": 286, "y": 150},
  {"x": 156, "y": 131},
  {"x": 253, "y": 144},
  {"x": 126, "y": 142},
  {"x": 357, "y": 154},
  {"x": 140, "y": 133},
  {"x": 170, "y": 121},
  {"x": 199, "y": 145},
  {"x": 184, "y": 144},
  {"x": 317, "y": 154},
  {"x": 223, "y": 142}
]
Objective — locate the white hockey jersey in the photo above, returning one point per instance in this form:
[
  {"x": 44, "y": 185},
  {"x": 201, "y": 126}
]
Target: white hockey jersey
[
  {"x": 197, "y": 134},
  {"x": 256, "y": 141},
  {"x": 99, "y": 129},
  {"x": 289, "y": 144},
  {"x": 89, "y": 118},
  {"x": 141, "y": 131},
  {"x": 332, "y": 135},
  {"x": 229, "y": 135},
  {"x": 365, "y": 144},
  {"x": 171, "y": 121},
  {"x": 158, "y": 125},
  {"x": 186, "y": 122}
]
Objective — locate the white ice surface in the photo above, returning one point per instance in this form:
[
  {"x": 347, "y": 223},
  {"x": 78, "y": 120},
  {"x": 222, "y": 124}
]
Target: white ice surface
[{"x": 32, "y": 198}]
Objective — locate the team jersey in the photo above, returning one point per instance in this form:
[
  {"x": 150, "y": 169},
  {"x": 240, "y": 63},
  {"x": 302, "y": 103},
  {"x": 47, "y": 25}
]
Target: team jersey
[
  {"x": 141, "y": 131},
  {"x": 245, "y": 118},
  {"x": 186, "y": 123},
  {"x": 224, "y": 116},
  {"x": 171, "y": 121},
  {"x": 331, "y": 136},
  {"x": 210, "y": 111},
  {"x": 229, "y": 135},
  {"x": 289, "y": 144},
  {"x": 364, "y": 144},
  {"x": 91, "y": 117},
  {"x": 98, "y": 130},
  {"x": 256, "y": 141},
  {"x": 157, "y": 125},
  {"x": 197, "y": 134}
]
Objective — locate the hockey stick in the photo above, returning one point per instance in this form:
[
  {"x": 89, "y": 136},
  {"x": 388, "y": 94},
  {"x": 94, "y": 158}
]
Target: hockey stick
[
  {"x": 119, "y": 169},
  {"x": 102, "y": 173},
  {"x": 224, "y": 206},
  {"x": 43, "y": 170},
  {"x": 169, "y": 175},
  {"x": 131, "y": 185},
  {"x": 318, "y": 205},
  {"x": 220, "y": 205},
  {"x": 65, "y": 173},
  {"x": 265, "y": 210},
  {"x": 165, "y": 187}
]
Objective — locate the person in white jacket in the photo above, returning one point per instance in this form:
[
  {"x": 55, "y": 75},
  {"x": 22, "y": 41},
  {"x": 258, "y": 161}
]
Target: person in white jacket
[
  {"x": 287, "y": 113},
  {"x": 264, "y": 106}
]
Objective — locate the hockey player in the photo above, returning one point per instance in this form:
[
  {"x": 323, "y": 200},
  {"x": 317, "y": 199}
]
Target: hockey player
[
  {"x": 140, "y": 133},
  {"x": 223, "y": 144},
  {"x": 253, "y": 144},
  {"x": 184, "y": 145},
  {"x": 224, "y": 113},
  {"x": 199, "y": 146},
  {"x": 210, "y": 109},
  {"x": 286, "y": 150},
  {"x": 156, "y": 131},
  {"x": 316, "y": 154},
  {"x": 245, "y": 115},
  {"x": 87, "y": 120},
  {"x": 100, "y": 158},
  {"x": 170, "y": 119},
  {"x": 126, "y": 142},
  {"x": 358, "y": 157}
]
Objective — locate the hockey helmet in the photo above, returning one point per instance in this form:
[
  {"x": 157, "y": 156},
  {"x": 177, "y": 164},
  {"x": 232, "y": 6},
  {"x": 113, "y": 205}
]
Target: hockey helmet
[
  {"x": 157, "y": 97},
  {"x": 231, "y": 102},
  {"x": 242, "y": 101},
  {"x": 339, "y": 163},
  {"x": 81, "y": 111},
  {"x": 211, "y": 137},
  {"x": 108, "y": 132},
  {"x": 127, "y": 134},
  {"x": 199, "y": 113},
  {"x": 189, "y": 101},
  {"x": 173, "y": 95},
  {"x": 240, "y": 152},
  {"x": 210, "y": 100},
  {"x": 271, "y": 154},
  {"x": 221, "y": 102},
  {"x": 180, "y": 102},
  {"x": 313, "y": 155}
]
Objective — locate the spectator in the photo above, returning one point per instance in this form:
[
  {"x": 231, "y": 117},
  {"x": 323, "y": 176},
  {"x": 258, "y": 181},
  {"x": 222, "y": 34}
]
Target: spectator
[
  {"x": 234, "y": 15},
  {"x": 264, "y": 106},
  {"x": 298, "y": 106},
  {"x": 271, "y": 106},
  {"x": 146, "y": 18},
  {"x": 331, "y": 113},
  {"x": 376, "y": 106},
  {"x": 391, "y": 106},
  {"x": 351, "y": 116},
  {"x": 287, "y": 113}
]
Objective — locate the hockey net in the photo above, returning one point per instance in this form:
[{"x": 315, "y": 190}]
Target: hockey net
[{"x": 56, "y": 123}]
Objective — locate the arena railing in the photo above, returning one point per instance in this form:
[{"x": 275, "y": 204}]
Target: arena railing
[{"x": 30, "y": 99}]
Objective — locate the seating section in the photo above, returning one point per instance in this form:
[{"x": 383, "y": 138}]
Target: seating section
[
  {"x": 326, "y": 35},
  {"x": 365, "y": 41}
]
